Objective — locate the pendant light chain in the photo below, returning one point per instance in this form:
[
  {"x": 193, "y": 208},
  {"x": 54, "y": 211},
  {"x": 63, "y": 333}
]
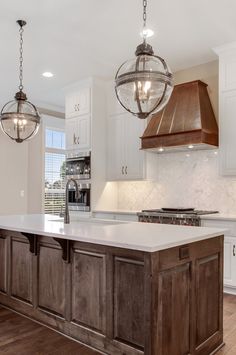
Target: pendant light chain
[
  {"x": 144, "y": 19},
  {"x": 21, "y": 30}
]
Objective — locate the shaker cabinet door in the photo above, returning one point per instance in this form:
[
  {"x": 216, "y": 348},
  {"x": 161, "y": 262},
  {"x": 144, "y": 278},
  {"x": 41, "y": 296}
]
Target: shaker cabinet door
[
  {"x": 78, "y": 133},
  {"x": 71, "y": 133},
  {"x": 230, "y": 261},
  {"x": 78, "y": 103}
]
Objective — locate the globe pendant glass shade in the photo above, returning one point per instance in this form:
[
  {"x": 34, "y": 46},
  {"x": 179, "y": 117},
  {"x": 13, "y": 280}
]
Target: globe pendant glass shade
[
  {"x": 19, "y": 120},
  {"x": 144, "y": 85}
]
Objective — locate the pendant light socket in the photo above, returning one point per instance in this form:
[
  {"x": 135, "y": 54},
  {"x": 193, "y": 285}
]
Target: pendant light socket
[{"x": 21, "y": 23}]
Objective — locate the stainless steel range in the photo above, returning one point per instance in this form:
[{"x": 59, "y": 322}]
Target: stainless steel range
[{"x": 178, "y": 216}]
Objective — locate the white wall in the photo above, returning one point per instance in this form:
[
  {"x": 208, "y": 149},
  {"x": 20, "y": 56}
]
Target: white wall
[{"x": 14, "y": 176}]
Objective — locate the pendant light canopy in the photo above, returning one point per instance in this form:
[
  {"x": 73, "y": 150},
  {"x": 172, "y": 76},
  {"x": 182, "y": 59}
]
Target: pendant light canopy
[
  {"x": 19, "y": 118},
  {"x": 145, "y": 83}
]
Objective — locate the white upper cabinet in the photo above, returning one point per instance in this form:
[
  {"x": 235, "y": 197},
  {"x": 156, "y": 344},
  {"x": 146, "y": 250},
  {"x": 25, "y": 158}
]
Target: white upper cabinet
[
  {"x": 78, "y": 133},
  {"x": 78, "y": 103},
  {"x": 227, "y": 108},
  {"x": 125, "y": 160}
]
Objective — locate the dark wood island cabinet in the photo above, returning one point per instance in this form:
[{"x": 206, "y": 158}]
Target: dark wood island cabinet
[{"x": 119, "y": 301}]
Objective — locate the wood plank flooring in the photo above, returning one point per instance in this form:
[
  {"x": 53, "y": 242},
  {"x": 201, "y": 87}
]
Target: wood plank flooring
[{"x": 21, "y": 336}]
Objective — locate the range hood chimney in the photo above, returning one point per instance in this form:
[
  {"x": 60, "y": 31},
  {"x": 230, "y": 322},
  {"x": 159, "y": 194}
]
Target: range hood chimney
[{"x": 187, "y": 121}]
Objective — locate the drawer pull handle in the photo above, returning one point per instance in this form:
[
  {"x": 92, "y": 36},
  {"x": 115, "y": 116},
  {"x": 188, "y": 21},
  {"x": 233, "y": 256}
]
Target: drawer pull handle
[
  {"x": 126, "y": 170},
  {"x": 122, "y": 170},
  {"x": 234, "y": 250}
]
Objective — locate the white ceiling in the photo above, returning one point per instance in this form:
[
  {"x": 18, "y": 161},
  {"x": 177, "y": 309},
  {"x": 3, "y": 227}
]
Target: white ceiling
[{"x": 75, "y": 39}]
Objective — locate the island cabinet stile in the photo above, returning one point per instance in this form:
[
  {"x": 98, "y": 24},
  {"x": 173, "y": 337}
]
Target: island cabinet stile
[{"x": 119, "y": 301}]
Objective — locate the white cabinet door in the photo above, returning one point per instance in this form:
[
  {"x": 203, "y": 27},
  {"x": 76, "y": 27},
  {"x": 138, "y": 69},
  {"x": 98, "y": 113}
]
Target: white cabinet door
[
  {"x": 135, "y": 159},
  {"x": 71, "y": 133},
  {"x": 230, "y": 261},
  {"x": 78, "y": 103},
  {"x": 227, "y": 133},
  {"x": 78, "y": 133},
  {"x": 84, "y": 132},
  {"x": 125, "y": 160},
  {"x": 115, "y": 148}
]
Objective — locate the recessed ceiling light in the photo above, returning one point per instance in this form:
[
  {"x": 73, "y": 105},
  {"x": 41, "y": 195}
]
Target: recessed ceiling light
[
  {"x": 190, "y": 146},
  {"x": 47, "y": 74},
  {"x": 147, "y": 32}
]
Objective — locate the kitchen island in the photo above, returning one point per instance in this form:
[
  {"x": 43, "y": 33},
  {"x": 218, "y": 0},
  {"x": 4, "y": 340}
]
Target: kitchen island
[{"x": 122, "y": 288}]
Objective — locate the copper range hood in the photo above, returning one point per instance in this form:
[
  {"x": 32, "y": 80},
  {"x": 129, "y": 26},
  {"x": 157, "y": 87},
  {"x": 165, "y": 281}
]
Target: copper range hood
[{"x": 187, "y": 121}]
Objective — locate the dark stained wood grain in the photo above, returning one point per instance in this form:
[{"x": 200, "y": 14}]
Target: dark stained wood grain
[
  {"x": 117, "y": 300},
  {"x": 51, "y": 279},
  {"x": 129, "y": 301},
  {"x": 89, "y": 289},
  {"x": 174, "y": 310},
  {"x": 21, "y": 270},
  {"x": 3, "y": 267}
]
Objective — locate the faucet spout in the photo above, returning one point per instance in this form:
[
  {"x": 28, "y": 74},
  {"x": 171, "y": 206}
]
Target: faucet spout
[{"x": 77, "y": 195}]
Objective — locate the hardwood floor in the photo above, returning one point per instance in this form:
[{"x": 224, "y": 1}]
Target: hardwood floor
[{"x": 21, "y": 336}]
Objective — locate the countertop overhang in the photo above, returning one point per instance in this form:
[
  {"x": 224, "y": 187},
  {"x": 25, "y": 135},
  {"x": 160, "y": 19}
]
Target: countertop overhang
[{"x": 144, "y": 237}]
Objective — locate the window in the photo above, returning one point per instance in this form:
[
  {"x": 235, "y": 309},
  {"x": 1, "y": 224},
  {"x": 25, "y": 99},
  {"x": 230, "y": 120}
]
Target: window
[{"x": 54, "y": 195}]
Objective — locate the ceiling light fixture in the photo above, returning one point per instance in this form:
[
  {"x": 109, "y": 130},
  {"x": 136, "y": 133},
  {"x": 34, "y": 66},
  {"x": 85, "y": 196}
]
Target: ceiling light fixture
[
  {"x": 19, "y": 118},
  {"x": 48, "y": 74},
  {"x": 144, "y": 85}
]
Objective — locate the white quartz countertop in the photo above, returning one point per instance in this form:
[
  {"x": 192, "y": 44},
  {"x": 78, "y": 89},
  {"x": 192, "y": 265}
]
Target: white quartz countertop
[{"x": 134, "y": 235}]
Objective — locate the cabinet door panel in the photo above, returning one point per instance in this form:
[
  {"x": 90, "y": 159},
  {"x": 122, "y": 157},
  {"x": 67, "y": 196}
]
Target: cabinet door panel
[
  {"x": 83, "y": 132},
  {"x": 129, "y": 301},
  {"x": 227, "y": 133},
  {"x": 3, "y": 264},
  {"x": 174, "y": 310},
  {"x": 71, "y": 132},
  {"x": 89, "y": 289},
  {"x": 51, "y": 280},
  {"x": 21, "y": 270},
  {"x": 116, "y": 164},
  {"x": 207, "y": 298},
  {"x": 78, "y": 103},
  {"x": 229, "y": 261},
  {"x": 134, "y": 128}
]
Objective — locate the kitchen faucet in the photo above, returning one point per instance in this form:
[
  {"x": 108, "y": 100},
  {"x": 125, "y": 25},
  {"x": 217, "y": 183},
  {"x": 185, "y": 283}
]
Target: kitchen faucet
[{"x": 77, "y": 194}]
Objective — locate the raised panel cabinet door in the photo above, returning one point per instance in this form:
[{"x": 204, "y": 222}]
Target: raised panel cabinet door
[
  {"x": 174, "y": 310},
  {"x": 227, "y": 133},
  {"x": 89, "y": 289},
  {"x": 83, "y": 132},
  {"x": 71, "y": 127},
  {"x": 51, "y": 280},
  {"x": 208, "y": 302},
  {"x": 78, "y": 103},
  {"x": 3, "y": 264},
  {"x": 134, "y": 157},
  {"x": 230, "y": 261},
  {"x": 21, "y": 284},
  {"x": 129, "y": 302},
  {"x": 115, "y": 148}
]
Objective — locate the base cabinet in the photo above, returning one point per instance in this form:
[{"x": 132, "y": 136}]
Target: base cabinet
[{"x": 116, "y": 300}]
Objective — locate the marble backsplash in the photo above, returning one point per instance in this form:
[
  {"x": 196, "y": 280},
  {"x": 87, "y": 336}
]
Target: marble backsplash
[{"x": 189, "y": 179}]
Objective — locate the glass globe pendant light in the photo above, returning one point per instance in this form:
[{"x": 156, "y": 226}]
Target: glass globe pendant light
[
  {"x": 144, "y": 84},
  {"x": 19, "y": 118}
]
